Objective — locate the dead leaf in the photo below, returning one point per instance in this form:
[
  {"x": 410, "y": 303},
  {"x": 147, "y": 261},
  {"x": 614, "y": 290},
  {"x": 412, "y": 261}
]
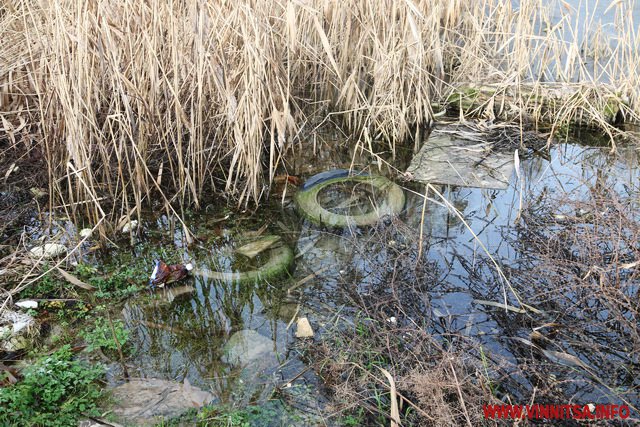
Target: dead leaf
[
  {"x": 12, "y": 168},
  {"x": 565, "y": 359},
  {"x": 11, "y": 374},
  {"x": 500, "y": 305},
  {"x": 393, "y": 396},
  {"x": 74, "y": 280}
]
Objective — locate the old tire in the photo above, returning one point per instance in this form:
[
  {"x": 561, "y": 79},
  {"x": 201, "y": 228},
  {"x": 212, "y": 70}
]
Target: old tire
[
  {"x": 279, "y": 261},
  {"x": 392, "y": 203}
]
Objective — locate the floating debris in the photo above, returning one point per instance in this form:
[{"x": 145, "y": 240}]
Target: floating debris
[
  {"x": 163, "y": 274},
  {"x": 48, "y": 250},
  {"x": 251, "y": 250}
]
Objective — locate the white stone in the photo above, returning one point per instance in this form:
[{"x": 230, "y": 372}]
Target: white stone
[
  {"x": 27, "y": 304},
  {"x": 85, "y": 232},
  {"x": 304, "y": 329},
  {"x": 48, "y": 250},
  {"x": 130, "y": 226}
]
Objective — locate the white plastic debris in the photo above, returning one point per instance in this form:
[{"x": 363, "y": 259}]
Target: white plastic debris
[
  {"x": 304, "y": 329},
  {"x": 130, "y": 226},
  {"x": 27, "y": 304},
  {"x": 85, "y": 232},
  {"x": 48, "y": 250}
]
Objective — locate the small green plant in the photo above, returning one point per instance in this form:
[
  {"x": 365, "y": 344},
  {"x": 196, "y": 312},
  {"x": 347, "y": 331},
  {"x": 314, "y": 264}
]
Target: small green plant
[
  {"x": 215, "y": 416},
  {"x": 354, "y": 419},
  {"x": 101, "y": 336},
  {"x": 55, "y": 392},
  {"x": 485, "y": 365},
  {"x": 120, "y": 283},
  {"x": 48, "y": 286},
  {"x": 266, "y": 414}
]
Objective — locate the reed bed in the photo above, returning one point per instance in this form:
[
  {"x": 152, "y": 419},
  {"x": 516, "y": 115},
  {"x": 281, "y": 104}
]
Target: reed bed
[{"x": 122, "y": 103}]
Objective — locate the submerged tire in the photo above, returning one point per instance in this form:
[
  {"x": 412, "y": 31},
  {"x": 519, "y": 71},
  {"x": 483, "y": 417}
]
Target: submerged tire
[
  {"x": 392, "y": 203},
  {"x": 280, "y": 259}
]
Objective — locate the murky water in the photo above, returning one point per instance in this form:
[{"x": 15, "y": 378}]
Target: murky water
[{"x": 189, "y": 329}]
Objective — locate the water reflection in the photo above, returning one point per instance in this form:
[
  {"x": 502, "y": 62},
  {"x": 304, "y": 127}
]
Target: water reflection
[{"x": 186, "y": 337}]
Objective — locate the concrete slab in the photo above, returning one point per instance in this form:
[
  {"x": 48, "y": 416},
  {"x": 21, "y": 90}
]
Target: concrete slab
[{"x": 448, "y": 159}]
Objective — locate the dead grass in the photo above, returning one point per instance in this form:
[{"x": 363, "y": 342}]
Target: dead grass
[{"x": 130, "y": 101}]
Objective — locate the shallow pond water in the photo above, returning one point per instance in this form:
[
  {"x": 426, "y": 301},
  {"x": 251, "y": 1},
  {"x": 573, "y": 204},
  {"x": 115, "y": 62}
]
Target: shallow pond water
[{"x": 189, "y": 329}]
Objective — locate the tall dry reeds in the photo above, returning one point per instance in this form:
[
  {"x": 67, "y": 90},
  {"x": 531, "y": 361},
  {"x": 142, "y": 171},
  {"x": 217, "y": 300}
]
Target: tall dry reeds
[{"x": 129, "y": 101}]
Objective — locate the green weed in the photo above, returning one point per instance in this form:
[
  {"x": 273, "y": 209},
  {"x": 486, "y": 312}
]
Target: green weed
[
  {"x": 56, "y": 391},
  {"x": 101, "y": 336}
]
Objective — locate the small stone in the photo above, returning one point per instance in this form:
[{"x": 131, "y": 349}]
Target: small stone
[
  {"x": 27, "y": 304},
  {"x": 38, "y": 192},
  {"x": 303, "y": 329},
  {"x": 130, "y": 226},
  {"x": 85, "y": 233},
  {"x": 16, "y": 343},
  {"x": 48, "y": 250}
]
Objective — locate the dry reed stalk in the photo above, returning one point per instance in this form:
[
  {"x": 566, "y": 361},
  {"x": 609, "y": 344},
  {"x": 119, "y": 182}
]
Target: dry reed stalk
[{"x": 206, "y": 94}]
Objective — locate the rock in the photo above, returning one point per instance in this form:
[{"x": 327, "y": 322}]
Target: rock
[
  {"x": 16, "y": 343},
  {"x": 130, "y": 226},
  {"x": 85, "y": 233},
  {"x": 253, "y": 358},
  {"x": 145, "y": 402},
  {"x": 17, "y": 321},
  {"x": 27, "y": 304},
  {"x": 247, "y": 346},
  {"x": 16, "y": 330},
  {"x": 48, "y": 250},
  {"x": 304, "y": 329}
]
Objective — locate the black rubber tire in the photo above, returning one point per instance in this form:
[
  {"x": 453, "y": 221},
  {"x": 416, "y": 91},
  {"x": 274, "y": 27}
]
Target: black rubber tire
[{"x": 393, "y": 203}]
